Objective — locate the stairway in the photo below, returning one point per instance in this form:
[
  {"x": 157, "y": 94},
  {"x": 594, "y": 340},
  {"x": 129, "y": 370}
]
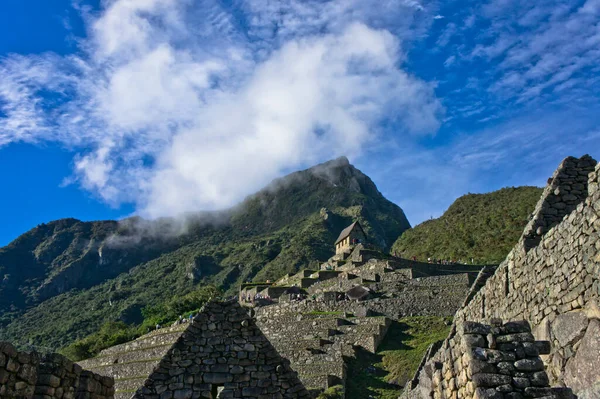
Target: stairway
[
  {"x": 132, "y": 362},
  {"x": 319, "y": 345}
]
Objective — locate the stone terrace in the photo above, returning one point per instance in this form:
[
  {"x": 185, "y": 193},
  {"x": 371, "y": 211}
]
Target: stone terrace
[
  {"x": 318, "y": 345},
  {"x": 222, "y": 352},
  {"x": 132, "y": 362}
]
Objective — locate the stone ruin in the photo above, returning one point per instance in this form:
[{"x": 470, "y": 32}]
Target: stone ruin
[
  {"x": 288, "y": 348},
  {"x": 222, "y": 354},
  {"x": 320, "y": 333},
  {"x": 26, "y": 375},
  {"x": 551, "y": 279},
  {"x": 493, "y": 362}
]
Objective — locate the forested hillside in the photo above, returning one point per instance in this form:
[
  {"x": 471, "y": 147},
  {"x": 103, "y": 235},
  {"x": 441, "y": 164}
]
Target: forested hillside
[
  {"x": 62, "y": 280},
  {"x": 482, "y": 227}
]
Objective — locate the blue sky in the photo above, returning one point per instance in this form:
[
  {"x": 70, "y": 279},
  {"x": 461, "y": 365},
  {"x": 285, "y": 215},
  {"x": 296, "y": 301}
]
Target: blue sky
[{"x": 158, "y": 107}]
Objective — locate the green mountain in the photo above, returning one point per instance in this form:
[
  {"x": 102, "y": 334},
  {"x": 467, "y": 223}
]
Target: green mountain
[
  {"x": 62, "y": 280},
  {"x": 484, "y": 227}
]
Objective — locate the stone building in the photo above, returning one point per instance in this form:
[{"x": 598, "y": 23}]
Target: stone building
[
  {"x": 349, "y": 237},
  {"x": 222, "y": 354}
]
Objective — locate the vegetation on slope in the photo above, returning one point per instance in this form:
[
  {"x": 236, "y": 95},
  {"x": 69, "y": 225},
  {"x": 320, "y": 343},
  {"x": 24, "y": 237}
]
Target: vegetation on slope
[
  {"x": 117, "y": 332},
  {"x": 383, "y": 375},
  {"x": 484, "y": 227},
  {"x": 65, "y": 279}
]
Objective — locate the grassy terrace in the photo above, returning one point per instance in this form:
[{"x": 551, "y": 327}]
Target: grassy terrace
[
  {"x": 382, "y": 375},
  {"x": 252, "y": 285},
  {"x": 317, "y": 313}
]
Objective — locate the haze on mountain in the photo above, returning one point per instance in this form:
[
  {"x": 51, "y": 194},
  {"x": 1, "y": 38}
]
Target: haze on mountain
[{"x": 62, "y": 280}]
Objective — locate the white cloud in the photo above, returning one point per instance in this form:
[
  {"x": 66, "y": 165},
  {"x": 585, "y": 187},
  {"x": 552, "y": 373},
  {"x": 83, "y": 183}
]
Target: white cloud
[
  {"x": 522, "y": 151},
  {"x": 173, "y": 108},
  {"x": 559, "y": 41}
]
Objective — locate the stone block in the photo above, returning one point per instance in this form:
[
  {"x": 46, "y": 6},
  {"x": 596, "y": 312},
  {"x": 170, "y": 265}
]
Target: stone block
[
  {"x": 217, "y": 378},
  {"x": 471, "y": 327},
  {"x": 543, "y": 347},
  {"x": 485, "y": 380},
  {"x": 534, "y": 392},
  {"x": 473, "y": 340},
  {"x": 49, "y": 380},
  {"x": 581, "y": 371},
  {"x": 516, "y": 337},
  {"x": 534, "y": 364},
  {"x": 569, "y": 327},
  {"x": 481, "y": 393},
  {"x": 539, "y": 379}
]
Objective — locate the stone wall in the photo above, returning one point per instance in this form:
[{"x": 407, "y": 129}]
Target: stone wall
[
  {"x": 18, "y": 372},
  {"x": 483, "y": 361},
  {"x": 223, "y": 350},
  {"x": 53, "y": 376},
  {"x": 435, "y": 296},
  {"x": 552, "y": 278}
]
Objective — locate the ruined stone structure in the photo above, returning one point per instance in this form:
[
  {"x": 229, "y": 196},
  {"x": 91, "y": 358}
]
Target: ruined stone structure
[
  {"x": 222, "y": 354},
  {"x": 551, "y": 279},
  {"x": 483, "y": 361},
  {"x": 318, "y": 321},
  {"x": 293, "y": 338},
  {"x": 320, "y": 344},
  {"x": 30, "y": 376}
]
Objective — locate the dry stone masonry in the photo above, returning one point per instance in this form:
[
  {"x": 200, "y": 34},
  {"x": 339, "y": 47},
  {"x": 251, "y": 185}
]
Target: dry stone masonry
[
  {"x": 221, "y": 354},
  {"x": 321, "y": 331},
  {"x": 552, "y": 280},
  {"x": 29, "y": 375},
  {"x": 488, "y": 362}
]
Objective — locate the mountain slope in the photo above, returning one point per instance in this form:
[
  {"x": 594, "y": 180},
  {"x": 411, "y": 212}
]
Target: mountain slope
[
  {"x": 484, "y": 227},
  {"x": 66, "y": 278}
]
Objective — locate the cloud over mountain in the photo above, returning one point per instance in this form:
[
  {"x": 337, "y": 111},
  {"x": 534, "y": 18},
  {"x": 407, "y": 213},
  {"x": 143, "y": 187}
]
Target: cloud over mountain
[{"x": 179, "y": 106}]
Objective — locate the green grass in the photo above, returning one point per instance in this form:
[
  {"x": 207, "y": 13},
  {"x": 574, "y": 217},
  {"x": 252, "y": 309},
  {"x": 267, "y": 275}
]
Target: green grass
[
  {"x": 334, "y": 392},
  {"x": 317, "y": 313},
  {"x": 246, "y": 285},
  {"x": 484, "y": 227},
  {"x": 382, "y": 375}
]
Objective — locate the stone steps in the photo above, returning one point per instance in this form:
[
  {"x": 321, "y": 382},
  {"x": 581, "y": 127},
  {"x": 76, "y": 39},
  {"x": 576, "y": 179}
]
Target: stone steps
[
  {"x": 303, "y": 344},
  {"x": 316, "y": 382},
  {"x": 317, "y": 345},
  {"x": 154, "y": 338},
  {"x": 337, "y": 369},
  {"x": 132, "y": 362},
  {"x": 127, "y": 370},
  {"x": 129, "y": 385},
  {"x": 125, "y": 357}
]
